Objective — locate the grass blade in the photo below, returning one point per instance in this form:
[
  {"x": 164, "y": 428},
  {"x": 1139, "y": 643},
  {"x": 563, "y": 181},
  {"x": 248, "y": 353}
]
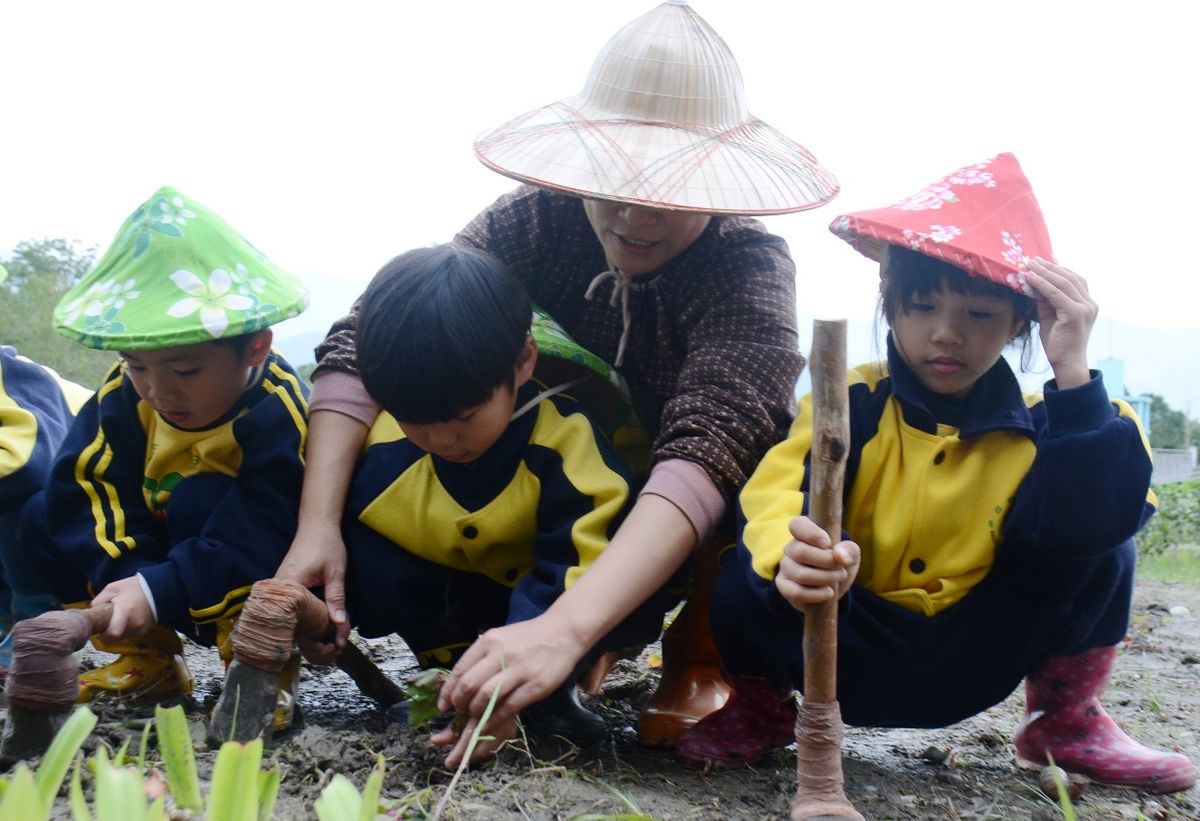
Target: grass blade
[
  {"x": 268, "y": 790},
  {"x": 79, "y": 805},
  {"x": 371, "y": 791},
  {"x": 179, "y": 759},
  {"x": 56, "y": 761}
]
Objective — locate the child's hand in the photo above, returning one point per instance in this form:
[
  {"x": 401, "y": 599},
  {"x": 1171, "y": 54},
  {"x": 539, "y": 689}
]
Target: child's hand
[
  {"x": 132, "y": 615},
  {"x": 1065, "y": 314},
  {"x": 811, "y": 573}
]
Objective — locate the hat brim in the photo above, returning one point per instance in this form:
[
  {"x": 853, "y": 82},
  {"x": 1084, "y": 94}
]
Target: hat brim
[{"x": 749, "y": 169}]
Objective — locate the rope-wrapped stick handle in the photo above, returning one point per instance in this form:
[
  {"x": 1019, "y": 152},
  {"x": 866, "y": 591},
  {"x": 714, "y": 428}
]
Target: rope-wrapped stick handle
[
  {"x": 43, "y": 681},
  {"x": 276, "y": 612},
  {"x": 819, "y": 780}
]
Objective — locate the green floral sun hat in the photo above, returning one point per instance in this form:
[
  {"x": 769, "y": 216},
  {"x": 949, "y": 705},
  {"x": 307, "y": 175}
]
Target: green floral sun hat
[
  {"x": 176, "y": 274},
  {"x": 596, "y": 384}
]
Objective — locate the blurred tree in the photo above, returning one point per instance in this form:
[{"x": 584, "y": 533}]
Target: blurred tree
[
  {"x": 39, "y": 273},
  {"x": 61, "y": 259},
  {"x": 1170, "y": 428}
]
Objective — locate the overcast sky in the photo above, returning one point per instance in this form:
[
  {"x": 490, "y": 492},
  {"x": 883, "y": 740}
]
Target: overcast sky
[{"x": 335, "y": 136}]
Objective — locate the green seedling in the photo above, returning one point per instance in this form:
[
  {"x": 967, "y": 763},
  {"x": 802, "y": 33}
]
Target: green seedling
[
  {"x": 421, "y": 692},
  {"x": 340, "y": 801},
  {"x": 29, "y": 795}
]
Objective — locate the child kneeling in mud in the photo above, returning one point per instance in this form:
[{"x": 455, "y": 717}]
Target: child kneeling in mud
[
  {"x": 481, "y": 495},
  {"x": 178, "y": 484},
  {"x": 990, "y": 532}
]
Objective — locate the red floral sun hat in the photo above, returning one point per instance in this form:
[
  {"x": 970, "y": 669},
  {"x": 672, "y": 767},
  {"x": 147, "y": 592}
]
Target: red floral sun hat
[{"x": 983, "y": 218}]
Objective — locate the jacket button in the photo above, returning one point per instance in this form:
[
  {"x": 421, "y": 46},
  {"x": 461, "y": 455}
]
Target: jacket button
[
  {"x": 917, "y": 566},
  {"x": 941, "y": 457},
  {"x": 470, "y": 531}
]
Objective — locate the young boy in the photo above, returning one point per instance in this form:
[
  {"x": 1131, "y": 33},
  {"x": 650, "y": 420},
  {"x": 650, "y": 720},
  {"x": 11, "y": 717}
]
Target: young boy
[
  {"x": 36, "y": 406},
  {"x": 481, "y": 496},
  {"x": 178, "y": 484}
]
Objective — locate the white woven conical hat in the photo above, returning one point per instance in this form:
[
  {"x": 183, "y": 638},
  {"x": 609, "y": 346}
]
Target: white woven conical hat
[{"x": 662, "y": 121}]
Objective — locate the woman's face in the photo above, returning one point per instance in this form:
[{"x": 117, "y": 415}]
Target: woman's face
[{"x": 639, "y": 240}]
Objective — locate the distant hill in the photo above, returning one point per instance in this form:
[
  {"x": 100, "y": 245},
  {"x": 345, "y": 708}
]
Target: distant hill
[{"x": 298, "y": 349}]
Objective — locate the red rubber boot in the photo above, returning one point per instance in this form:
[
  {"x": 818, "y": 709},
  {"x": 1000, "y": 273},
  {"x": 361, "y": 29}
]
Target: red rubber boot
[{"x": 1063, "y": 718}]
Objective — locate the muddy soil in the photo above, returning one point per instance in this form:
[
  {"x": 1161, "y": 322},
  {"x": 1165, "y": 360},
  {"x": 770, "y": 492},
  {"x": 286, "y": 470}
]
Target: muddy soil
[{"x": 961, "y": 772}]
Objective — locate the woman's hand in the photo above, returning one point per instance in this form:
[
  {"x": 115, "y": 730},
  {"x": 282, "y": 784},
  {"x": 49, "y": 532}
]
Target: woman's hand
[
  {"x": 132, "y": 615},
  {"x": 500, "y": 728},
  {"x": 526, "y": 661},
  {"x": 317, "y": 558},
  {"x": 1065, "y": 315},
  {"x": 810, "y": 572}
]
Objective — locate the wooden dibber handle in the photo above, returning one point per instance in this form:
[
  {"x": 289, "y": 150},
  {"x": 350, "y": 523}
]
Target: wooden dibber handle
[
  {"x": 44, "y": 675},
  {"x": 819, "y": 781}
]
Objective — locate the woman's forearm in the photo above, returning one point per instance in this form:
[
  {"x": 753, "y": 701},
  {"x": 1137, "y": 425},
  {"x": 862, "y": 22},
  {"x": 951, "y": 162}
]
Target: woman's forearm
[
  {"x": 652, "y": 543},
  {"x": 334, "y": 443}
]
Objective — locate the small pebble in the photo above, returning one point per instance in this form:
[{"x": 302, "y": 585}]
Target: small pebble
[
  {"x": 935, "y": 754},
  {"x": 1049, "y": 777},
  {"x": 1179, "y": 610},
  {"x": 1155, "y": 811}
]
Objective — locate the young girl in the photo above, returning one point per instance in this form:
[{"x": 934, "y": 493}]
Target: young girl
[{"x": 989, "y": 532}]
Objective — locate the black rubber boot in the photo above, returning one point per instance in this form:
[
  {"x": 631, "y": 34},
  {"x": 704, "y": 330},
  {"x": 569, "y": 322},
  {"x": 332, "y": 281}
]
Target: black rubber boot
[{"x": 563, "y": 714}]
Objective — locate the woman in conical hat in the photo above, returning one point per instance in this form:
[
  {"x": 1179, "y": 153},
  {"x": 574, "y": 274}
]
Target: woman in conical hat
[{"x": 633, "y": 229}]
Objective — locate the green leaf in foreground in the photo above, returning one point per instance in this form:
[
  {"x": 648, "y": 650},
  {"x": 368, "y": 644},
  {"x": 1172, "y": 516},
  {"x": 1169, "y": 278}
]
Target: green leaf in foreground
[
  {"x": 67, "y": 741},
  {"x": 21, "y": 801},
  {"x": 179, "y": 760}
]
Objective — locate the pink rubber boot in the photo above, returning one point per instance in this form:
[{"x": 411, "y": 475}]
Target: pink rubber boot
[
  {"x": 756, "y": 719},
  {"x": 1063, "y": 717}
]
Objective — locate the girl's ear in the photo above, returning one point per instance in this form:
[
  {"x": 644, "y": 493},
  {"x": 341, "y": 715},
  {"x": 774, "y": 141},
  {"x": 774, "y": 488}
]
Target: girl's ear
[
  {"x": 526, "y": 361},
  {"x": 259, "y": 347}
]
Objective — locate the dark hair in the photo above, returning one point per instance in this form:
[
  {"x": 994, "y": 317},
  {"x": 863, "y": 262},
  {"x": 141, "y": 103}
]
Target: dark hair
[
  {"x": 439, "y": 330},
  {"x": 239, "y": 343},
  {"x": 906, "y": 274}
]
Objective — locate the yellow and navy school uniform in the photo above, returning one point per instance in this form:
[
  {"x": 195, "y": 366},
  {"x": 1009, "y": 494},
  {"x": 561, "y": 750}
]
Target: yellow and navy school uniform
[
  {"x": 439, "y": 551},
  {"x": 36, "y": 407},
  {"x": 994, "y": 531},
  {"x": 200, "y": 515}
]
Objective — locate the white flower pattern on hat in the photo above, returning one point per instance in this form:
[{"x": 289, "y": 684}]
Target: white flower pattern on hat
[
  {"x": 937, "y": 233},
  {"x": 163, "y": 217},
  {"x": 933, "y": 197},
  {"x": 173, "y": 210},
  {"x": 211, "y": 299},
  {"x": 101, "y": 296},
  {"x": 246, "y": 284},
  {"x": 1015, "y": 255}
]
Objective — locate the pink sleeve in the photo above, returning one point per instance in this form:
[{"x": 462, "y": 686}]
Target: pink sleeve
[
  {"x": 342, "y": 392},
  {"x": 687, "y": 486}
]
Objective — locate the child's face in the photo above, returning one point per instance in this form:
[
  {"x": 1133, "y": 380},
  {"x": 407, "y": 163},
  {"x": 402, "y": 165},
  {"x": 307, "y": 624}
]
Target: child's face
[
  {"x": 639, "y": 240},
  {"x": 470, "y": 435},
  {"x": 467, "y": 437},
  {"x": 192, "y": 386},
  {"x": 950, "y": 340}
]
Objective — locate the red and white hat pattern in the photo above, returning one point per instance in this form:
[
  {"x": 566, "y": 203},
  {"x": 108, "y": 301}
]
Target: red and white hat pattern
[{"x": 983, "y": 218}]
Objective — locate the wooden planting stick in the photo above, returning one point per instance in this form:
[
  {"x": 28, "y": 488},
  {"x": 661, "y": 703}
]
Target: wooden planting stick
[
  {"x": 43, "y": 682},
  {"x": 276, "y": 612},
  {"x": 819, "y": 781}
]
